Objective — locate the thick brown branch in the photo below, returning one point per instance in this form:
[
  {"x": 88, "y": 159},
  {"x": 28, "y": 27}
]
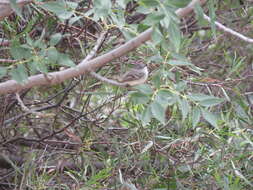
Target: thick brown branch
[{"x": 86, "y": 66}]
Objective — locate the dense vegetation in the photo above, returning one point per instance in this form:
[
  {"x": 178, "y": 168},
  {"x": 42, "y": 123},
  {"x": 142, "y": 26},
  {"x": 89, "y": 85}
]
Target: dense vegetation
[{"x": 190, "y": 126}]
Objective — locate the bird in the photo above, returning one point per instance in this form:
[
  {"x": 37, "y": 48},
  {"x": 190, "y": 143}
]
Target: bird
[{"x": 135, "y": 76}]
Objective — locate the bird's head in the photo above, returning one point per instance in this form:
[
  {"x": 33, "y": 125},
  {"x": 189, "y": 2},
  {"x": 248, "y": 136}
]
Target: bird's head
[{"x": 139, "y": 65}]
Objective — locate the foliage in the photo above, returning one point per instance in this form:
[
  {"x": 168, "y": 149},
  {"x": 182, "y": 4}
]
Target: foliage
[{"x": 188, "y": 127}]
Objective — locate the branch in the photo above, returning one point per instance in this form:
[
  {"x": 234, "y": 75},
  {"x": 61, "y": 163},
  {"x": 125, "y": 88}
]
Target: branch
[
  {"x": 230, "y": 31},
  {"x": 26, "y": 109},
  {"x": 110, "y": 81},
  {"x": 87, "y": 66},
  {"x": 8, "y": 60},
  {"x": 93, "y": 54}
]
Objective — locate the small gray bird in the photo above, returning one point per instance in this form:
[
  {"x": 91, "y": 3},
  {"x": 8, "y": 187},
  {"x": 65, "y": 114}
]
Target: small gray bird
[{"x": 135, "y": 76}]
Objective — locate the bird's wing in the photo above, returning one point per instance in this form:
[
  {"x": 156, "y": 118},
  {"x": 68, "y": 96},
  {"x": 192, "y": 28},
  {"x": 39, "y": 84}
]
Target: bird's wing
[{"x": 132, "y": 75}]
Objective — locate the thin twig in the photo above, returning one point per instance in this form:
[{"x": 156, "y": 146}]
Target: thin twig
[
  {"x": 65, "y": 91},
  {"x": 110, "y": 81},
  {"x": 26, "y": 109},
  {"x": 99, "y": 42},
  {"x": 93, "y": 54},
  {"x": 8, "y": 61},
  {"x": 230, "y": 31}
]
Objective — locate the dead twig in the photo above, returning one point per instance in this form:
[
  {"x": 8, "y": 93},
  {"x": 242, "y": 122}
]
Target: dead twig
[{"x": 230, "y": 31}]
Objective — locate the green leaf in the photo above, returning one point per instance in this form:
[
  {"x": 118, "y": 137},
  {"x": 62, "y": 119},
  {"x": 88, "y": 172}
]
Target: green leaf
[
  {"x": 165, "y": 22},
  {"x": 40, "y": 64},
  {"x": 101, "y": 8},
  {"x": 210, "y": 117},
  {"x": 39, "y": 44},
  {"x": 240, "y": 111},
  {"x": 181, "y": 86},
  {"x": 158, "y": 111},
  {"x": 170, "y": 13},
  {"x": 101, "y": 174},
  {"x": 156, "y": 79},
  {"x": 195, "y": 116},
  {"x": 122, "y": 3},
  {"x": 184, "y": 106},
  {"x": 29, "y": 42},
  {"x": 19, "y": 74},
  {"x": 71, "y": 5},
  {"x": 52, "y": 54},
  {"x": 179, "y": 3},
  {"x": 178, "y": 63},
  {"x": 144, "y": 10},
  {"x": 146, "y": 116},
  {"x": 205, "y": 100},
  {"x": 175, "y": 35},
  {"x": 156, "y": 36},
  {"x": 144, "y": 88},
  {"x": 42, "y": 67},
  {"x": 3, "y": 72},
  {"x": 32, "y": 67},
  {"x": 164, "y": 97},
  {"x": 61, "y": 9},
  {"x": 211, "y": 102},
  {"x": 19, "y": 52},
  {"x": 64, "y": 60},
  {"x": 199, "y": 97},
  {"x": 139, "y": 98},
  {"x": 73, "y": 19},
  {"x": 199, "y": 14},
  {"x": 148, "y": 3},
  {"x": 55, "y": 38},
  {"x": 212, "y": 16},
  {"x": 157, "y": 58},
  {"x": 127, "y": 34},
  {"x": 118, "y": 19},
  {"x": 161, "y": 99},
  {"x": 153, "y": 18}
]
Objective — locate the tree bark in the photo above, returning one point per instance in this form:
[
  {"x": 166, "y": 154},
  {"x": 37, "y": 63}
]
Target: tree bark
[{"x": 86, "y": 66}]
